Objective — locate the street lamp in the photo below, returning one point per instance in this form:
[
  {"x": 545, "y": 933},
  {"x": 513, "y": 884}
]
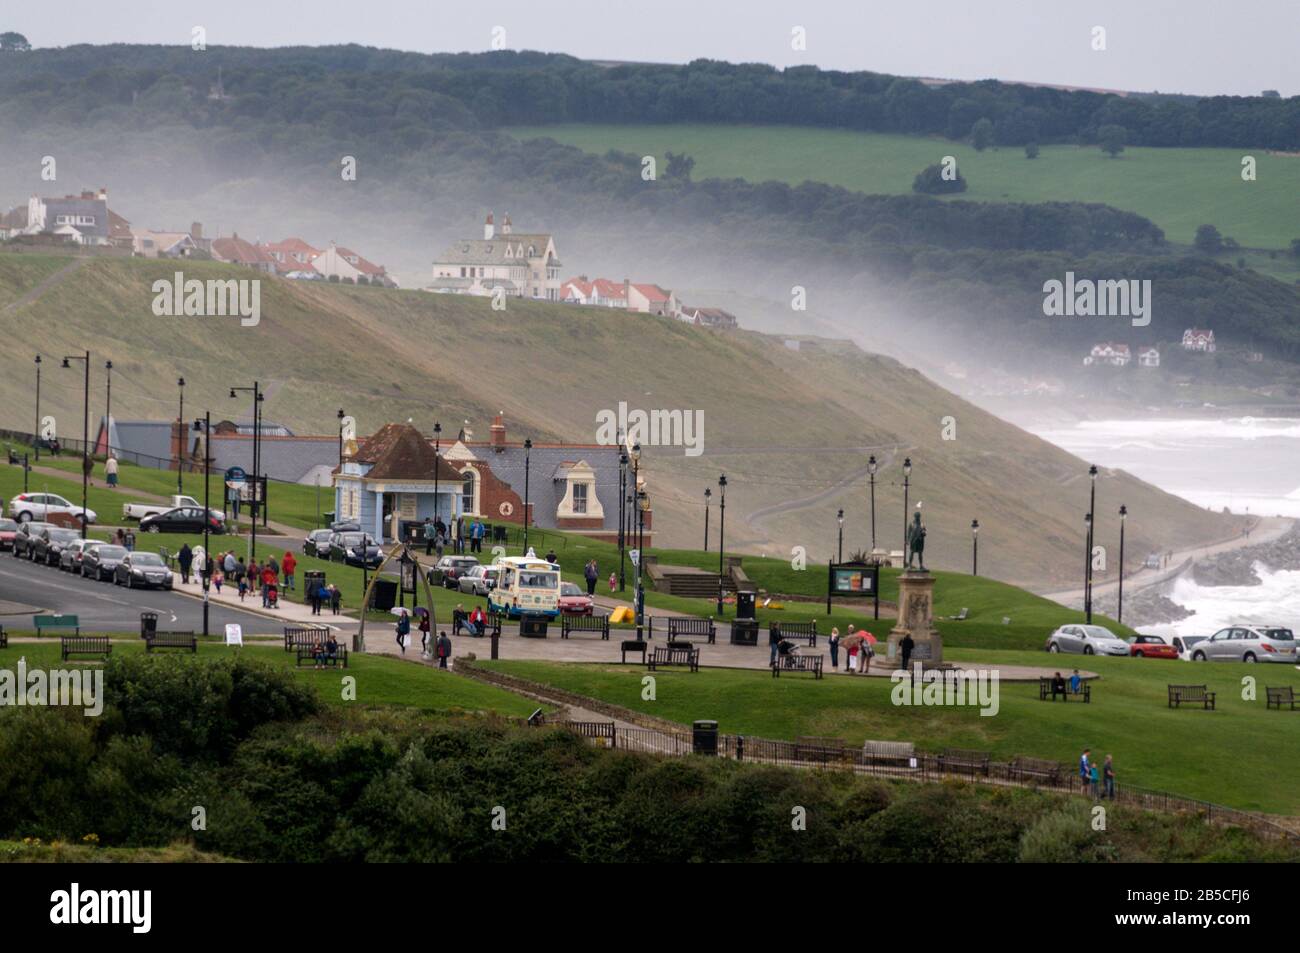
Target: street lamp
[
  {"x": 85, "y": 436},
  {"x": 622, "y": 517},
  {"x": 1123, "y": 518},
  {"x": 707, "y": 494},
  {"x": 722, "y": 533},
  {"x": 108, "y": 406},
  {"x": 528, "y": 452},
  {"x": 640, "y": 558},
  {"x": 258, "y": 397},
  {"x": 907, "y": 478},
  {"x": 340, "y": 440},
  {"x": 635, "y": 496},
  {"x": 840, "y": 516},
  {"x": 1087, "y": 565},
  {"x": 180, "y": 420},
  {"x": 437, "y": 446},
  {"x": 1092, "y": 520},
  {"x": 871, "y": 470},
  {"x": 205, "y": 427},
  {"x": 36, "y": 432},
  {"x": 975, "y": 547}
]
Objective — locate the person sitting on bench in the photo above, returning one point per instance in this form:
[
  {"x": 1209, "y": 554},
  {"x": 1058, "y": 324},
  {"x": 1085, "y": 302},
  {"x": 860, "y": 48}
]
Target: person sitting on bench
[
  {"x": 318, "y": 655},
  {"x": 459, "y": 620},
  {"x": 332, "y": 648},
  {"x": 477, "y": 621},
  {"x": 1058, "y": 685}
]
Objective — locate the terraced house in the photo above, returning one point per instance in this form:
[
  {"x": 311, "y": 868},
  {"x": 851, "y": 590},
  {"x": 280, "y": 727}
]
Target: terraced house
[{"x": 521, "y": 264}]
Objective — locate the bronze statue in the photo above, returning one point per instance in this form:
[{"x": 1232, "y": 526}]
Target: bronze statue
[{"x": 916, "y": 542}]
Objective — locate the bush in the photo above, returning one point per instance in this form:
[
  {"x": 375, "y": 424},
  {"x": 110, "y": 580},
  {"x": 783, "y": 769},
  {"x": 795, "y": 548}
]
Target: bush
[
  {"x": 1064, "y": 836},
  {"x": 932, "y": 181}
]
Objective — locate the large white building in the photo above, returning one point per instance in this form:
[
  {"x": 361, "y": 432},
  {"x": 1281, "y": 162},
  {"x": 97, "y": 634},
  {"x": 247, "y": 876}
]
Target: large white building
[{"x": 523, "y": 265}]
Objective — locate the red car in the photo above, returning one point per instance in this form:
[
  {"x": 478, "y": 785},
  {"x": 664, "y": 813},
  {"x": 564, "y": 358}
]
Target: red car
[
  {"x": 7, "y": 530},
  {"x": 1151, "y": 646},
  {"x": 573, "y": 601}
]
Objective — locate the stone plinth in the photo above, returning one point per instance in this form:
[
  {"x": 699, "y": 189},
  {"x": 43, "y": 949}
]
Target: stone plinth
[{"x": 915, "y": 618}]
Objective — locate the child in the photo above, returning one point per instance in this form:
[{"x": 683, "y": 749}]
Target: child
[
  {"x": 218, "y": 578},
  {"x": 853, "y": 657},
  {"x": 613, "y": 582},
  {"x": 1095, "y": 777},
  {"x": 243, "y": 587}
]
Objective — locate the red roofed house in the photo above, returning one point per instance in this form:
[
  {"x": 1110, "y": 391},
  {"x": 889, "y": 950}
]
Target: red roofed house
[
  {"x": 234, "y": 250},
  {"x": 649, "y": 299},
  {"x": 1196, "y": 339},
  {"x": 1108, "y": 353},
  {"x": 578, "y": 291},
  {"x": 292, "y": 254}
]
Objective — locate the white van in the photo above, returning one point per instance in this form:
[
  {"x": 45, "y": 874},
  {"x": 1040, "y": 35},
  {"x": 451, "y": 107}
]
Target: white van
[{"x": 528, "y": 586}]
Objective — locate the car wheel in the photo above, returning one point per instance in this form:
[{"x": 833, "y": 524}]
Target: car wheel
[
  {"x": 1087, "y": 650},
  {"x": 1139, "y": 655},
  {"x": 1054, "y": 648},
  {"x": 1198, "y": 656},
  {"x": 1248, "y": 657},
  {"x": 25, "y": 516}
]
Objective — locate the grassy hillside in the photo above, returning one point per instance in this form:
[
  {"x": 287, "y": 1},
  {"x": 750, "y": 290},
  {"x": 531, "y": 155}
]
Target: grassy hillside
[
  {"x": 789, "y": 428},
  {"x": 1178, "y": 189}
]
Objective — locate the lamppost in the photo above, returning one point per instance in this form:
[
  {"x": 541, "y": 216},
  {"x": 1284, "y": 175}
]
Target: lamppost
[
  {"x": 205, "y": 427},
  {"x": 36, "y": 431},
  {"x": 85, "y": 436},
  {"x": 707, "y": 494},
  {"x": 634, "y": 495},
  {"x": 437, "y": 446},
  {"x": 871, "y": 470},
  {"x": 1087, "y": 565},
  {"x": 108, "y": 406},
  {"x": 722, "y": 533},
  {"x": 622, "y": 517},
  {"x": 180, "y": 418},
  {"x": 1092, "y": 520},
  {"x": 840, "y": 516},
  {"x": 258, "y": 397},
  {"x": 340, "y": 441},
  {"x": 907, "y": 482},
  {"x": 640, "y": 559},
  {"x": 975, "y": 547},
  {"x": 1123, "y": 518},
  {"x": 528, "y": 452}
]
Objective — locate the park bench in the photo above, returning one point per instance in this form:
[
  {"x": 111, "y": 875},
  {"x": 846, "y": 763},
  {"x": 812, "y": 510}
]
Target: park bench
[
  {"x": 338, "y": 658},
  {"x": 678, "y": 626},
  {"x": 585, "y": 623},
  {"x": 794, "y": 630},
  {"x": 963, "y": 615},
  {"x": 84, "y": 645},
  {"x": 1039, "y": 769},
  {"x": 4, "y": 639},
  {"x": 633, "y": 645},
  {"x": 1196, "y": 694},
  {"x": 961, "y": 761},
  {"x": 1084, "y": 694},
  {"x": 296, "y": 636},
  {"x": 822, "y": 750},
  {"x": 171, "y": 640},
  {"x": 902, "y": 753},
  {"x": 1277, "y": 697},
  {"x": 798, "y": 663},
  {"x": 56, "y": 622},
  {"x": 744, "y": 632},
  {"x": 674, "y": 655}
]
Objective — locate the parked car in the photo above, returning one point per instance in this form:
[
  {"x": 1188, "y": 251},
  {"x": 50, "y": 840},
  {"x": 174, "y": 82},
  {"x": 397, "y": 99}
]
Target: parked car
[
  {"x": 25, "y": 538},
  {"x": 183, "y": 519},
  {"x": 348, "y": 548},
  {"x": 317, "y": 543},
  {"x": 1151, "y": 646},
  {"x": 142, "y": 569},
  {"x": 1248, "y": 643},
  {"x": 1086, "y": 639},
  {"x": 8, "y": 528},
  {"x": 74, "y": 552},
  {"x": 139, "y": 511},
  {"x": 449, "y": 569},
  {"x": 48, "y": 547},
  {"x": 573, "y": 601},
  {"x": 478, "y": 580},
  {"x": 1183, "y": 645},
  {"x": 99, "y": 562},
  {"x": 41, "y": 506}
]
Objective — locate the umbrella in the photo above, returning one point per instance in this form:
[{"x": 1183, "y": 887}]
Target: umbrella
[
  {"x": 851, "y": 640},
  {"x": 420, "y": 610},
  {"x": 399, "y": 611},
  {"x": 869, "y": 637}
]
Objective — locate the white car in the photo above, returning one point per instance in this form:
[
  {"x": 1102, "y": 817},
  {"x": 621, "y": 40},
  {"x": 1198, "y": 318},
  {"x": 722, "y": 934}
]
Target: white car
[
  {"x": 1248, "y": 643},
  {"x": 1183, "y": 645},
  {"x": 41, "y": 506},
  {"x": 1087, "y": 640}
]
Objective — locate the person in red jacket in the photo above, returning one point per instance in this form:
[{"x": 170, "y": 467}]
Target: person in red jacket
[
  {"x": 287, "y": 567},
  {"x": 269, "y": 582}
]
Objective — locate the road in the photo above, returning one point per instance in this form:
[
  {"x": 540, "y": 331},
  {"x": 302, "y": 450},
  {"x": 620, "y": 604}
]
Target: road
[{"x": 104, "y": 607}]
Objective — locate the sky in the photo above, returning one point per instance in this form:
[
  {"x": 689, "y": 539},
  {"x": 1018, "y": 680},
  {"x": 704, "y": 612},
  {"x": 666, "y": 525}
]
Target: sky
[{"x": 1203, "y": 47}]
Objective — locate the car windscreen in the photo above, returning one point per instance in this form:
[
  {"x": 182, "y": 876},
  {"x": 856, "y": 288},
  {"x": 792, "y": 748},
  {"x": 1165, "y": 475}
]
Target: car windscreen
[
  {"x": 63, "y": 535},
  {"x": 531, "y": 579},
  {"x": 569, "y": 589},
  {"x": 352, "y": 539},
  {"x": 7, "y": 526},
  {"x": 1096, "y": 632},
  {"x": 109, "y": 552},
  {"x": 151, "y": 560}
]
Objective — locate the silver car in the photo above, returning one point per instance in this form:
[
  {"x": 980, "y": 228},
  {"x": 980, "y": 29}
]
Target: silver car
[
  {"x": 1248, "y": 643},
  {"x": 1086, "y": 640},
  {"x": 478, "y": 580}
]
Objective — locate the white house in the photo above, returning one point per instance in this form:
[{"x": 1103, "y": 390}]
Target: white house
[
  {"x": 524, "y": 265},
  {"x": 1117, "y": 355},
  {"x": 1197, "y": 339},
  {"x": 1148, "y": 357}
]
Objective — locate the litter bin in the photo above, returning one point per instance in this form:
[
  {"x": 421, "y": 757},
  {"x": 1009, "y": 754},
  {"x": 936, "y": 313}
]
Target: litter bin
[
  {"x": 705, "y": 737},
  {"x": 745, "y": 604},
  {"x": 532, "y": 628},
  {"x": 384, "y": 594},
  {"x": 148, "y": 624},
  {"x": 744, "y": 632}
]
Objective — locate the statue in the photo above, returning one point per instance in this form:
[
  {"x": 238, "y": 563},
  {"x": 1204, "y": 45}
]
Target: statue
[{"x": 916, "y": 540}]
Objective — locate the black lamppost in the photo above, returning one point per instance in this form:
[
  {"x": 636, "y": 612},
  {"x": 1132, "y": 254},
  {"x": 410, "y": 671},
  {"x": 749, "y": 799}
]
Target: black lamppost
[
  {"x": 975, "y": 547},
  {"x": 180, "y": 422},
  {"x": 1087, "y": 565},
  {"x": 871, "y": 471},
  {"x": 640, "y": 558},
  {"x": 258, "y": 397},
  {"x": 437, "y": 447},
  {"x": 204, "y": 426},
  {"x": 722, "y": 533},
  {"x": 108, "y": 406},
  {"x": 622, "y": 518},
  {"x": 340, "y": 441},
  {"x": 528, "y": 452},
  {"x": 1123, "y": 518},
  {"x": 707, "y": 495},
  {"x": 634, "y": 494},
  {"x": 36, "y": 432},
  {"x": 840, "y": 516},
  {"x": 907, "y": 483},
  {"x": 85, "y": 437},
  {"x": 1092, "y": 520}
]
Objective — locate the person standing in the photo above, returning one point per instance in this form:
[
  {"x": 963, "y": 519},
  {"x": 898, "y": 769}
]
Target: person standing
[
  {"x": 439, "y": 541},
  {"x": 228, "y": 564},
  {"x": 1094, "y": 779},
  {"x": 444, "y": 650},
  {"x": 288, "y": 566},
  {"x": 906, "y": 646},
  {"x": 269, "y": 578},
  {"x": 110, "y": 471},
  {"x": 1085, "y": 769},
  {"x": 613, "y": 582},
  {"x": 865, "y": 656},
  {"x": 1108, "y": 775},
  {"x": 478, "y": 532},
  {"x": 773, "y": 641},
  {"x": 834, "y": 643},
  {"x": 424, "y": 633},
  {"x": 185, "y": 558},
  {"x": 855, "y": 647},
  {"x": 314, "y": 594},
  {"x": 403, "y": 630},
  {"x": 592, "y": 574},
  {"x": 428, "y": 536}
]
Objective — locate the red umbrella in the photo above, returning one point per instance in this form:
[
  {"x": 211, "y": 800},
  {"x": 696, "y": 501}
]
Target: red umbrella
[{"x": 869, "y": 637}]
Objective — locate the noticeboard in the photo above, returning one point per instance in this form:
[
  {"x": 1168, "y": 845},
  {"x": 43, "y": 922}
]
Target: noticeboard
[{"x": 854, "y": 579}]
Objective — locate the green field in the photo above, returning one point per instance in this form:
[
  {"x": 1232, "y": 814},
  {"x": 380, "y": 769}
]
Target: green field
[
  {"x": 1178, "y": 189},
  {"x": 1233, "y": 756}
]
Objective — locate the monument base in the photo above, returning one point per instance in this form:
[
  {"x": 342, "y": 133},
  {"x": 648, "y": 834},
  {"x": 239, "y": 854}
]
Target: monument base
[{"x": 915, "y": 618}]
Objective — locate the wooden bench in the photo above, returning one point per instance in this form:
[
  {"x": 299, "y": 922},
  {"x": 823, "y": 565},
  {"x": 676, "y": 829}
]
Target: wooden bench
[
  {"x": 798, "y": 663},
  {"x": 1039, "y": 769},
  {"x": 56, "y": 622},
  {"x": 585, "y": 623},
  {"x": 705, "y": 627},
  {"x": 338, "y": 658},
  {"x": 296, "y": 636},
  {"x": 794, "y": 630},
  {"x": 899, "y": 753},
  {"x": 1276, "y": 697},
  {"x": 84, "y": 645},
  {"x": 171, "y": 640},
  {"x": 633, "y": 645},
  {"x": 676, "y": 655},
  {"x": 962, "y": 761},
  {"x": 1196, "y": 694},
  {"x": 822, "y": 750},
  {"x": 1084, "y": 694}
]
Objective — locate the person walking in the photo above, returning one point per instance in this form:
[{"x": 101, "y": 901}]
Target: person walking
[
  {"x": 834, "y": 643},
  {"x": 906, "y": 646},
  {"x": 288, "y": 566},
  {"x": 865, "y": 656},
  {"x": 428, "y": 536},
  {"x": 1085, "y": 769},
  {"x": 403, "y": 630},
  {"x": 613, "y": 582},
  {"x": 269, "y": 578},
  {"x": 254, "y": 576},
  {"x": 444, "y": 650},
  {"x": 314, "y": 594},
  {"x": 424, "y": 633},
  {"x": 110, "y": 471},
  {"x": 439, "y": 542},
  {"x": 1108, "y": 776},
  {"x": 241, "y": 578},
  {"x": 218, "y": 578},
  {"x": 592, "y": 574},
  {"x": 185, "y": 559},
  {"x": 773, "y": 641}
]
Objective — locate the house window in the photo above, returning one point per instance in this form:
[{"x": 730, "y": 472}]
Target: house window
[
  {"x": 580, "y": 498},
  {"x": 467, "y": 493}
]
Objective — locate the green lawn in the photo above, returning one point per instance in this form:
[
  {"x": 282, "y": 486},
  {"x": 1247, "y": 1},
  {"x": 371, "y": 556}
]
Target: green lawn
[
  {"x": 1234, "y": 756},
  {"x": 1178, "y": 189}
]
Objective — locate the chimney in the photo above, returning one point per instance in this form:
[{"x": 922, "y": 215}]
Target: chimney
[
  {"x": 498, "y": 430},
  {"x": 627, "y": 294},
  {"x": 505, "y": 225},
  {"x": 489, "y": 230},
  {"x": 103, "y": 192},
  {"x": 196, "y": 230}
]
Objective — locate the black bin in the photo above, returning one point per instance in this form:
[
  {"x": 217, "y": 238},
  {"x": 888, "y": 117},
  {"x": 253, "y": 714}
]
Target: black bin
[
  {"x": 148, "y": 624},
  {"x": 704, "y": 735},
  {"x": 384, "y": 594},
  {"x": 745, "y": 602},
  {"x": 532, "y": 628},
  {"x": 744, "y": 632}
]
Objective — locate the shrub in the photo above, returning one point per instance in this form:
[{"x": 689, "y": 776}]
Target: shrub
[{"x": 931, "y": 181}]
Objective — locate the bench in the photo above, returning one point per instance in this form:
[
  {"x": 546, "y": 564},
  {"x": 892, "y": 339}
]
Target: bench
[
  {"x": 338, "y": 658},
  {"x": 84, "y": 645},
  {"x": 963, "y": 615},
  {"x": 56, "y": 622},
  {"x": 900, "y": 753},
  {"x": 705, "y": 627},
  {"x": 680, "y": 655},
  {"x": 296, "y": 636},
  {"x": 1039, "y": 769},
  {"x": 1277, "y": 697},
  {"x": 1196, "y": 694},
  {"x": 585, "y": 623},
  {"x": 962, "y": 761},
  {"x": 171, "y": 640},
  {"x": 1084, "y": 694},
  {"x": 798, "y": 663},
  {"x": 4, "y": 639},
  {"x": 794, "y": 630},
  {"x": 744, "y": 632},
  {"x": 822, "y": 750},
  {"x": 633, "y": 645}
]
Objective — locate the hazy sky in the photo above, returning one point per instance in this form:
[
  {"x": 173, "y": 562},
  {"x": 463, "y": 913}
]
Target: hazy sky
[{"x": 1192, "y": 46}]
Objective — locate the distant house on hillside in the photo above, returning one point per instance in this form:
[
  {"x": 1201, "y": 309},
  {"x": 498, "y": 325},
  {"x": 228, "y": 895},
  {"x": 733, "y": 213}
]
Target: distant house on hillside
[
  {"x": 345, "y": 263},
  {"x": 578, "y": 291},
  {"x": 83, "y": 219},
  {"x": 523, "y": 265},
  {"x": 649, "y": 299},
  {"x": 147, "y": 243},
  {"x": 1148, "y": 357},
  {"x": 1117, "y": 355},
  {"x": 709, "y": 318},
  {"x": 292, "y": 254},
  {"x": 234, "y": 250},
  {"x": 1197, "y": 339}
]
